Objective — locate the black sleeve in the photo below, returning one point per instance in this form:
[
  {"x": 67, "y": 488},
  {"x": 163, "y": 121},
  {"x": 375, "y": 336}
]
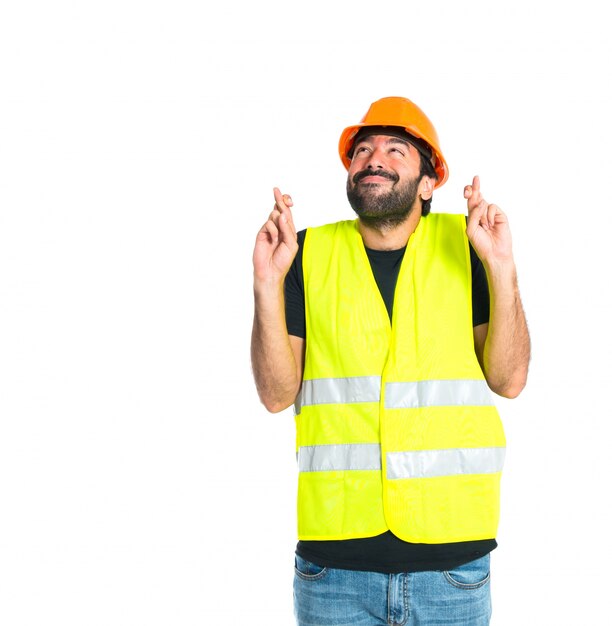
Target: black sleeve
[
  {"x": 480, "y": 291},
  {"x": 295, "y": 310}
]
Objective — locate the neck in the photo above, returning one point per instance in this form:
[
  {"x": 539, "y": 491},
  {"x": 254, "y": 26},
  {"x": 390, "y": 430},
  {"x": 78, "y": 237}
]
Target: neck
[{"x": 390, "y": 238}]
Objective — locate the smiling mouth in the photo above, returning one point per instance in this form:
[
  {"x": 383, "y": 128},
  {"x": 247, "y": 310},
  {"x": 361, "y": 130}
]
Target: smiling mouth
[
  {"x": 373, "y": 178},
  {"x": 369, "y": 180}
]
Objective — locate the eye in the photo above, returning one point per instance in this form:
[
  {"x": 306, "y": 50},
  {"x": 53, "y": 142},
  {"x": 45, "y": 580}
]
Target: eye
[{"x": 398, "y": 150}]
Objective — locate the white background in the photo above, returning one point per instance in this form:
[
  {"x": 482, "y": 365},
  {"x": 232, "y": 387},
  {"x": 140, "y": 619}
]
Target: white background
[{"x": 141, "y": 482}]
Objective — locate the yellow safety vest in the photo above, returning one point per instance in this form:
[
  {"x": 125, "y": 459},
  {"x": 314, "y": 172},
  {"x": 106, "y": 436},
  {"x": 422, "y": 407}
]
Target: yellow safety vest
[{"x": 396, "y": 427}]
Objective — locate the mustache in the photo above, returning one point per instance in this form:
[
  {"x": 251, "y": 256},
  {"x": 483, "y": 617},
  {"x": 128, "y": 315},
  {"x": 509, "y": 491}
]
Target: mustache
[{"x": 364, "y": 173}]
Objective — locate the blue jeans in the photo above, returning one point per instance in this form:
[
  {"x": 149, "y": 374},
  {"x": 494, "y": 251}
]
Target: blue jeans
[{"x": 325, "y": 596}]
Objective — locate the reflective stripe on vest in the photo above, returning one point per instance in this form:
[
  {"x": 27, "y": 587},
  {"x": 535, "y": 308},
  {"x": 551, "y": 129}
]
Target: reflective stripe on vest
[
  {"x": 409, "y": 395},
  {"x": 338, "y": 391},
  {"x": 432, "y": 463},
  {"x": 401, "y": 465},
  {"x": 341, "y": 457},
  {"x": 437, "y": 393}
]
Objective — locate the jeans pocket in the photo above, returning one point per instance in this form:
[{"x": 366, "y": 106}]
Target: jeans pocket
[
  {"x": 308, "y": 571},
  {"x": 470, "y": 575}
]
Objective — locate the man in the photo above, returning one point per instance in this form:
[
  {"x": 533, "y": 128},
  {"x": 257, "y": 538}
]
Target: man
[{"x": 380, "y": 330}]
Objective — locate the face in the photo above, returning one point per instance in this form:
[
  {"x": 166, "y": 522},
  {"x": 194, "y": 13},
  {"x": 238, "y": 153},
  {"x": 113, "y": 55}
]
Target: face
[{"x": 384, "y": 180}]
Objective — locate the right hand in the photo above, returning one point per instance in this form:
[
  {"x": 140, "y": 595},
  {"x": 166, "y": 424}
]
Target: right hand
[{"x": 276, "y": 244}]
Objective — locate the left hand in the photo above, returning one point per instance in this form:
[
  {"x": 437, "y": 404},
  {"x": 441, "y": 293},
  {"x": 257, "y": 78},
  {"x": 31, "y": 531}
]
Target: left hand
[{"x": 487, "y": 227}]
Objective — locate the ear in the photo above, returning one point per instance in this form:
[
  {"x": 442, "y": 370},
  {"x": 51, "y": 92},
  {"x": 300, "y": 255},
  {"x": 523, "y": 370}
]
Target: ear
[{"x": 426, "y": 187}]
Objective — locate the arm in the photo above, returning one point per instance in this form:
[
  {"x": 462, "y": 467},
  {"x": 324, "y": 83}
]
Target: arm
[
  {"x": 502, "y": 346},
  {"x": 276, "y": 357}
]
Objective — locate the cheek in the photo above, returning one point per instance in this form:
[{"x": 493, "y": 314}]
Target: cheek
[
  {"x": 406, "y": 167},
  {"x": 353, "y": 169},
  {"x": 408, "y": 172}
]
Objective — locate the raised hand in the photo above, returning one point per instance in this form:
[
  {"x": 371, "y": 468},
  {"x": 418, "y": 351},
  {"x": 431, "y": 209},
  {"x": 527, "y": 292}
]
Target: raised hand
[
  {"x": 276, "y": 244},
  {"x": 487, "y": 226},
  {"x": 277, "y": 359}
]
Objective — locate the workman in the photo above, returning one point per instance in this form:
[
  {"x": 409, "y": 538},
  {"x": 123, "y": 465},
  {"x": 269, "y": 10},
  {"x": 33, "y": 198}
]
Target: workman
[{"x": 388, "y": 333}]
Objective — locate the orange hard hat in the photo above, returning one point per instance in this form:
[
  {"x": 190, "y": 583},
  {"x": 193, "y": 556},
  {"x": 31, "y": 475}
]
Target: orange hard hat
[{"x": 402, "y": 113}]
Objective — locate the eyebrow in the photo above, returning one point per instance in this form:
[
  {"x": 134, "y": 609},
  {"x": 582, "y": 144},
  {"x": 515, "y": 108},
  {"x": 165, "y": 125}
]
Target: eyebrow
[{"x": 404, "y": 142}]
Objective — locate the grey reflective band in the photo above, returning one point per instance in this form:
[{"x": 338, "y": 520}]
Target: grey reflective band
[
  {"x": 341, "y": 390},
  {"x": 335, "y": 458},
  {"x": 432, "y": 463},
  {"x": 437, "y": 393},
  {"x": 410, "y": 395}
]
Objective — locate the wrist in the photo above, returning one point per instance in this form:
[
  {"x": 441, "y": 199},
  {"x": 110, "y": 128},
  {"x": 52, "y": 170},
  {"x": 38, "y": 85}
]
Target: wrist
[
  {"x": 268, "y": 287},
  {"x": 500, "y": 270}
]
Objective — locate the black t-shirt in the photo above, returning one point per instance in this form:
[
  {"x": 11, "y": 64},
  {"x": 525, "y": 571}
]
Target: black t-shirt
[{"x": 385, "y": 553}]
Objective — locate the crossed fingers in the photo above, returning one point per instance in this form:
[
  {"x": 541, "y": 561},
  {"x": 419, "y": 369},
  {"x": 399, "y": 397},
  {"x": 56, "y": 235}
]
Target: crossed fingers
[
  {"x": 281, "y": 217},
  {"x": 478, "y": 208}
]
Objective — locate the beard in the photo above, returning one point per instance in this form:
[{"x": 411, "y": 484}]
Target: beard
[{"x": 380, "y": 209}]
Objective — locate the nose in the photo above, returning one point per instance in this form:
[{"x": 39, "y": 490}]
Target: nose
[{"x": 376, "y": 159}]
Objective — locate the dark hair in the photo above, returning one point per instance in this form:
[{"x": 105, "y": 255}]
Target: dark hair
[{"x": 427, "y": 169}]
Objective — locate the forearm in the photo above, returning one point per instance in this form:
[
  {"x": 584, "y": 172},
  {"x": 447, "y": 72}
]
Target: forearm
[
  {"x": 275, "y": 369},
  {"x": 507, "y": 347}
]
